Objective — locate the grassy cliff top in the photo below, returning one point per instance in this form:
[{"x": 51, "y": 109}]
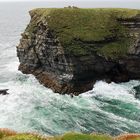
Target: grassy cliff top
[
  {"x": 80, "y": 30},
  {"x": 6, "y": 134}
]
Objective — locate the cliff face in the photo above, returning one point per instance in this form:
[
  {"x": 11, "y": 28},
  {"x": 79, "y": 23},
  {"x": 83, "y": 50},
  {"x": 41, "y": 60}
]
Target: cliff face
[{"x": 69, "y": 49}]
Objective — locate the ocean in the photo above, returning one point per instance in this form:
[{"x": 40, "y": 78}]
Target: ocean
[{"x": 30, "y": 107}]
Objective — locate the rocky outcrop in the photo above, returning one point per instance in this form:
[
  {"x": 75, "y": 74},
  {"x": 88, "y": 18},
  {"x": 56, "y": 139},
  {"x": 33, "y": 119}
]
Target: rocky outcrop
[
  {"x": 137, "y": 92},
  {"x": 42, "y": 53},
  {"x": 4, "y": 92}
]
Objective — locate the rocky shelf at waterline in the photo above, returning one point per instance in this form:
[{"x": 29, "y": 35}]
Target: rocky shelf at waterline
[
  {"x": 68, "y": 49},
  {"x": 6, "y": 134}
]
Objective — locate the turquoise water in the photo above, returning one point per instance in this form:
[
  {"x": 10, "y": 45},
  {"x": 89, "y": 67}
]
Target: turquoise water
[{"x": 107, "y": 108}]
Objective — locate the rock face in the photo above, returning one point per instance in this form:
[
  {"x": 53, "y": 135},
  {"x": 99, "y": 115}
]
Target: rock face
[
  {"x": 66, "y": 70},
  {"x": 4, "y": 92}
]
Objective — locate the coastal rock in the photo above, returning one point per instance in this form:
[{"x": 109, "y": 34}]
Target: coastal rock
[
  {"x": 137, "y": 92},
  {"x": 4, "y": 91},
  {"x": 68, "y": 53}
]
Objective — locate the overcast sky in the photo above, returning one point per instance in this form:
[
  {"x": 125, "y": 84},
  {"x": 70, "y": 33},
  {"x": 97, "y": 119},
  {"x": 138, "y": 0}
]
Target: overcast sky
[
  {"x": 134, "y": 4},
  {"x": 77, "y": 0}
]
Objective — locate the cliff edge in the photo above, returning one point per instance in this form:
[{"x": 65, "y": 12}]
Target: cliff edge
[{"x": 68, "y": 49}]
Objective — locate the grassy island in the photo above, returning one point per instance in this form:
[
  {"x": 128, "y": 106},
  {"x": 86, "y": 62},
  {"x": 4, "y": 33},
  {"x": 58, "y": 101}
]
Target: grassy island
[{"x": 86, "y": 31}]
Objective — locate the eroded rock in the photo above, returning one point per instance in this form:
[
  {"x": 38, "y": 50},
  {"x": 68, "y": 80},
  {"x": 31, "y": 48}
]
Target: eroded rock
[
  {"x": 4, "y": 91},
  {"x": 41, "y": 52}
]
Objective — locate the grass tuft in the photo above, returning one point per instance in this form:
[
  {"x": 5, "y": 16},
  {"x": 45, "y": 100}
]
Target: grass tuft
[{"x": 12, "y": 135}]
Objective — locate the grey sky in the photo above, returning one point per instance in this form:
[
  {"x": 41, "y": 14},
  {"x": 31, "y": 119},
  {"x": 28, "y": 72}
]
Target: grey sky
[
  {"x": 78, "y": 0},
  {"x": 135, "y": 4}
]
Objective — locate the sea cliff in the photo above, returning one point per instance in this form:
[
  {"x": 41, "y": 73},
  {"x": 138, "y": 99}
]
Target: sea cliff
[{"x": 68, "y": 49}]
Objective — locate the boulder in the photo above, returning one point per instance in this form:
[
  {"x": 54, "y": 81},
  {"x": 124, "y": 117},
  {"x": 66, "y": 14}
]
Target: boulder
[{"x": 4, "y": 91}]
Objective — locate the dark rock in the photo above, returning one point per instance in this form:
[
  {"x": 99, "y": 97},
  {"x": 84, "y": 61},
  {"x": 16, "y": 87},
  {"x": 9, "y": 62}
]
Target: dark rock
[
  {"x": 4, "y": 91},
  {"x": 137, "y": 93}
]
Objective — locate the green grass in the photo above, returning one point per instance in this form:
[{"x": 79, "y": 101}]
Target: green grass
[
  {"x": 76, "y": 136},
  {"x": 22, "y": 137},
  {"x": 116, "y": 49},
  {"x": 67, "y": 136},
  {"x": 80, "y": 31},
  {"x": 10, "y": 135}
]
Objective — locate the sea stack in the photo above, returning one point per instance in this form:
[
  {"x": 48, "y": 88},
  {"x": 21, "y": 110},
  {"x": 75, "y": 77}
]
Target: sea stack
[{"x": 68, "y": 49}]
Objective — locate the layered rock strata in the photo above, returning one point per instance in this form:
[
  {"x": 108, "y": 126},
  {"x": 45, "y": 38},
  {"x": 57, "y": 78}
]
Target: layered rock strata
[{"x": 42, "y": 53}]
